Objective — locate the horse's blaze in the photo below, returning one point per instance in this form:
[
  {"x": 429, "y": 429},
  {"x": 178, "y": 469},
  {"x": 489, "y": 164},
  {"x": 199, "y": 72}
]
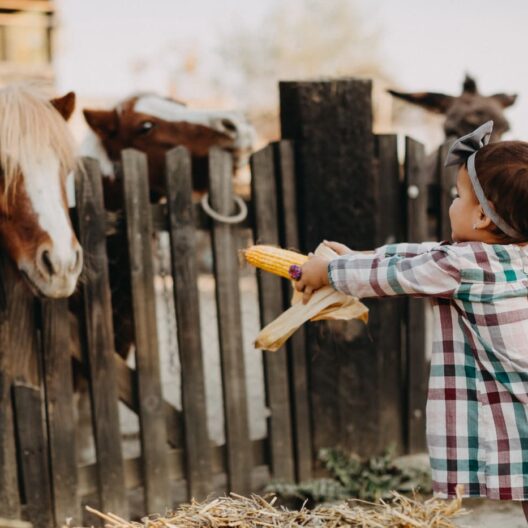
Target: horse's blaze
[{"x": 35, "y": 227}]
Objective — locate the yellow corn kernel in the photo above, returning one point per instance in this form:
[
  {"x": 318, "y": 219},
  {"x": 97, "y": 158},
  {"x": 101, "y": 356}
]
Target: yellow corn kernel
[{"x": 273, "y": 259}]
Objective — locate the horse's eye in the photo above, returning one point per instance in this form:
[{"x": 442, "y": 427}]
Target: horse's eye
[
  {"x": 145, "y": 127},
  {"x": 229, "y": 125}
]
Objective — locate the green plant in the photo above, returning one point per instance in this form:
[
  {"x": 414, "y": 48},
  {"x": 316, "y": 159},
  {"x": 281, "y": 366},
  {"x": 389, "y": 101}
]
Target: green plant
[{"x": 351, "y": 477}]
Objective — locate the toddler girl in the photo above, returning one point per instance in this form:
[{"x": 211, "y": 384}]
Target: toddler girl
[{"x": 477, "y": 409}]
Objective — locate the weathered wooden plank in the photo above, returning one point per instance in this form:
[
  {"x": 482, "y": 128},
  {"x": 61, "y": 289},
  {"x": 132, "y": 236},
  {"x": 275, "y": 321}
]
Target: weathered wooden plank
[
  {"x": 331, "y": 123},
  {"x": 183, "y": 259},
  {"x": 447, "y": 177},
  {"x": 151, "y": 410},
  {"x": 127, "y": 391},
  {"x": 389, "y": 312},
  {"x": 296, "y": 346},
  {"x": 9, "y": 497},
  {"x": 100, "y": 339},
  {"x": 24, "y": 365},
  {"x": 417, "y": 367},
  {"x": 32, "y": 450},
  {"x": 264, "y": 193},
  {"x": 229, "y": 324},
  {"x": 176, "y": 462},
  {"x": 59, "y": 407}
]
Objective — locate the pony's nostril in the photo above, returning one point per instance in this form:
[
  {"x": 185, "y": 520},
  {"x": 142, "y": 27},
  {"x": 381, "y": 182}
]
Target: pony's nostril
[
  {"x": 47, "y": 263},
  {"x": 78, "y": 262}
]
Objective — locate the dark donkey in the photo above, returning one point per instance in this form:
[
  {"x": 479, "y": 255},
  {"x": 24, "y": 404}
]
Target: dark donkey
[{"x": 465, "y": 112}]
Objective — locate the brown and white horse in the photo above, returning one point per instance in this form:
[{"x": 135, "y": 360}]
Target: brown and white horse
[
  {"x": 154, "y": 125},
  {"x": 37, "y": 154},
  {"x": 465, "y": 112}
]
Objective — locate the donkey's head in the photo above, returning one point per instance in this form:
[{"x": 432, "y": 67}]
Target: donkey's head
[
  {"x": 36, "y": 156},
  {"x": 465, "y": 112}
]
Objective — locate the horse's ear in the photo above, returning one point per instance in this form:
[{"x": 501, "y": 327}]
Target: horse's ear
[
  {"x": 505, "y": 100},
  {"x": 65, "y": 105},
  {"x": 102, "y": 122},
  {"x": 434, "y": 102}
]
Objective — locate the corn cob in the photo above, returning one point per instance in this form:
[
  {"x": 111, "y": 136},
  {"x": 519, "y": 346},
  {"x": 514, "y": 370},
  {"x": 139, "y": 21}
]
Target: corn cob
[{"x": 273, "y": 259}]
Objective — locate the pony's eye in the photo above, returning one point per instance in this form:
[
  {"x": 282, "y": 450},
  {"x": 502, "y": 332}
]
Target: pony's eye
[
  {"x": 145, "y": 127},
  {"x": 229, "y": 125}
]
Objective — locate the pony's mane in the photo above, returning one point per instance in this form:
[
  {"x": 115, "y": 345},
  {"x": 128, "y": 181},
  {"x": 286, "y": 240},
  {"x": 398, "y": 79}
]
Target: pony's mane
[{"x": 31, "y": 128}]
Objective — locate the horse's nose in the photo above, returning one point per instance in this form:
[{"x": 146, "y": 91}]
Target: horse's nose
[
  {"x": 77, "y": 263},
  {"x": 51, "y": 264}
]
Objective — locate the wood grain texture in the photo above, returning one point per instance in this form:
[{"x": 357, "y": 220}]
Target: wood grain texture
[
  {"x": 151, "y": 409},
  {"x": 417, "y": 366},
  {"x": 264, "y": 192},
  {"x": 9, "y": 497},
  {"x": 59, "y": 409},
  {"x": 331, "y": 123},
  {"x": 100, "y": 339},
  {"x": 184, "y": 272},
  {"x": 33, "y": 455},
  {"x": 389, "y": 313},
  {"x": 239, "y": 461},
  {"x": 296, "y": 346}
]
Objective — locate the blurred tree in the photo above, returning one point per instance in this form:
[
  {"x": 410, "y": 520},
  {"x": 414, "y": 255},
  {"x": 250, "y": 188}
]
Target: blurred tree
[{"x": 298, "y": 39}]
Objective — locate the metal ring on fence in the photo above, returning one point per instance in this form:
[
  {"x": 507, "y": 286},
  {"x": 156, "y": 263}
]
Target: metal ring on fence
[{"x": 235, "y": 219}]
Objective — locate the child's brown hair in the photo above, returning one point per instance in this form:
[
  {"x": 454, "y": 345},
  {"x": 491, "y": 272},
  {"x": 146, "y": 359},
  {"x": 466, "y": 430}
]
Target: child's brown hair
[{"x": 502, "y": 169}]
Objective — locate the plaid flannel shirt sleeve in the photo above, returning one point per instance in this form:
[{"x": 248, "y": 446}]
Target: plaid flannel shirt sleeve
[
  {"x": 433, "y": 272},
  {"x": 405, "y": 249}
]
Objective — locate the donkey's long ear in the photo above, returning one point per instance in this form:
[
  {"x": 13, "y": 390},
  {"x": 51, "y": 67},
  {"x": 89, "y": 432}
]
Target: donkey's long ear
[
  {"x": 505, "y": 100},
  {"x": 102, "y": 122},
  {"x": 434, "y": 102},
  {"x": 65, "y": 105}
]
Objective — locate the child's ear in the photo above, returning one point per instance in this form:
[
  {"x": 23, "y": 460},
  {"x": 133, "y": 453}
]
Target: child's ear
[{"x": 484, "y": 220}]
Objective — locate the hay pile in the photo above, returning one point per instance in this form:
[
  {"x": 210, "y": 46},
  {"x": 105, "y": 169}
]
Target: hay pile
[{"x": 257, "y": 512}]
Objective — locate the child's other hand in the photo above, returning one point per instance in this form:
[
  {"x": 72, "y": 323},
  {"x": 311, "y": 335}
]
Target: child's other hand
[
  {"x": 339, "y": 248},
  {"x": 314, "y": 276}
]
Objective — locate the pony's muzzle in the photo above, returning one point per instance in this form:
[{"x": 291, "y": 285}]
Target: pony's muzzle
[{"x": 60, "y": 268}]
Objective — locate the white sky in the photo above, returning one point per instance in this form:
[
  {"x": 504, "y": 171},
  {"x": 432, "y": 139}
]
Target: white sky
[{"x": 426, "y": 44}]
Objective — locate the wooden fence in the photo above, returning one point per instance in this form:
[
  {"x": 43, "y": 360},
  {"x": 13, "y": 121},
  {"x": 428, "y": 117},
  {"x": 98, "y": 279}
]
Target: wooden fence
[{"x": 361, "y": 397}]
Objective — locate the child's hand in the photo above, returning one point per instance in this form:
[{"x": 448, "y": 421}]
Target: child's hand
[
  {"x": 339, "y": 248},
  {"x": 314, "y": 276}
]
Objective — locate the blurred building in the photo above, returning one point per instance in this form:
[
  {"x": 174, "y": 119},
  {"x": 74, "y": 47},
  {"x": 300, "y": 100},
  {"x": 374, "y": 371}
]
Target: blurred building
[{"x": 26, "y": 41}]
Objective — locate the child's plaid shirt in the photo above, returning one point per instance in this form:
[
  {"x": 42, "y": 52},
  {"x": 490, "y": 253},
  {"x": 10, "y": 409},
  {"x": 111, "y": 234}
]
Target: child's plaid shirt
[{"x": 477, "y": 409}]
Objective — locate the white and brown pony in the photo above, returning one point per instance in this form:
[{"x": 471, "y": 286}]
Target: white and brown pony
[
  {"x": 154, "y": 125},
  {"x": 37, "y": 153}
]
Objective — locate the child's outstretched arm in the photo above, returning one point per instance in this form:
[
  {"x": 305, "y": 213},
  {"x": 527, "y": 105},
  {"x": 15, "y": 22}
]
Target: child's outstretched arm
[{"x": 431, "y": 273}]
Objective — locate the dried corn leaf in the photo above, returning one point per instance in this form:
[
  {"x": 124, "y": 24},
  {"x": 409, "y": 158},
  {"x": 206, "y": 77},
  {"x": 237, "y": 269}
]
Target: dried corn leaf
[{"x": 325, "y": 304}]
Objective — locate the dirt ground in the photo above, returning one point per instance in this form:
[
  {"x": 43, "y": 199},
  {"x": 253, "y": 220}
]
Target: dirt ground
[
  {"x": 492, "y": 514},
  {"x": 482, "y": 513}
]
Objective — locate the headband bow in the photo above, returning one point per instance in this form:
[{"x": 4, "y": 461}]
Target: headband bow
[{"x": 464, "y": 150}]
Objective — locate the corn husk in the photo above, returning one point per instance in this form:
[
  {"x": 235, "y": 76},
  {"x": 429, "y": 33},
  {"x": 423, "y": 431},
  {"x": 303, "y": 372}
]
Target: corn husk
[
  {"x": 325, "y": 304},
  {"x": 257, "y": 512}
]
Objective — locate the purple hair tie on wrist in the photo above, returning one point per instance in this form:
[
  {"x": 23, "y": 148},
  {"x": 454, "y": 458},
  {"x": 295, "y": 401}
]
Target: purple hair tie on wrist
[{"x": 295, "y": 272}]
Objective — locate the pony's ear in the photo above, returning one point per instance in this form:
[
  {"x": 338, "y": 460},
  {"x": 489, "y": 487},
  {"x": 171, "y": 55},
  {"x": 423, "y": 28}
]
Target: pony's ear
[
  {"x": 505, "y": 100},
  {"x": 434, "y": 102},
  {"x": 65, "y": 105},
  {"x": 102, "y": 122}
]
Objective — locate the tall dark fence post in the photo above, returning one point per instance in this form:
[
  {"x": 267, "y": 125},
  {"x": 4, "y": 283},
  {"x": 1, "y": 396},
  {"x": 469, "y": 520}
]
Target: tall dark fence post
[
  {"x": 417, "y": 231},
  {"x": 331, "y": 122}
]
